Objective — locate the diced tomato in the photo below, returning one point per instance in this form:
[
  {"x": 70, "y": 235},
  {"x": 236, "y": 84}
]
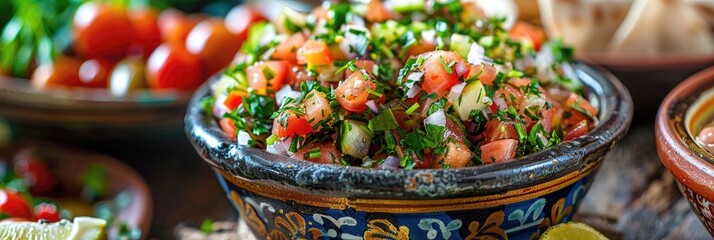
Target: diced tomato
[
  {"x": 519, "y": 82},
  {"x": 351, "y": 94},
  {"x": 499, "y": 150},
  {"x": 425, "y": 162},
  {"x": 234, "y": 99},
  {"x": 47, "y": 211},
  {"x": 376, "y": 12},
  {"x": 511, "y": 95},
  {"x": 420, "y": 47},
  {"x": 458, "y": 155},
  {"x": 576, "y": 100},
  {"x": 28, "y": 166},
  {"x": 337, "y": 54},
  {"x": 442, "y": 70},
  {"x": 287, "y": 50},
  {"x": 367, "y": 65},
  {"x": 453, "y": 130},
  {"x": 551, "y": 117},
  {"x": 317, "y": 108},
  {"x": 486, "y": 73},
  {"x": 576, "y": 131},
  {"x": 228, "y": 127},
  {"x": 526, "y": 31},
  {"x": 329, "y": 154},
  {"x": 314, "y": 53},
  {"x": 260, "y": 82},
  {"x": 319, "y": 12},
  {"x": 13, "y": 205},
  {"x": 497, "y": 130},
  {"x": 406, "y": 121},
  {"x": 289, "y": 124}
]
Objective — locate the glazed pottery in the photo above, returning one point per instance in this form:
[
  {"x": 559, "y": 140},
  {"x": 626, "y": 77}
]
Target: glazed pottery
[
  {"x": 283, "y": 198},
  {"x": 685, "y": 110}
]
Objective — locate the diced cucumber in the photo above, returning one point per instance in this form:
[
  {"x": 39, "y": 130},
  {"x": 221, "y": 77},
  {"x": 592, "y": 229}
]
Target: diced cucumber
[
  {"x": 355, "y": 138},
  {"x": 473, "y": 98},
  {"x": 461, "y": 44},
  {"x": 402, "y": 6},
  {"x": 418, "y": 27},
  {"x": 390, "y": 31},
  {"x": 290, "y": 21}
]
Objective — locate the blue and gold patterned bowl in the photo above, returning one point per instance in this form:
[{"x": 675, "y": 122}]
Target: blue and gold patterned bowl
[{"x": 283, "y": 198}]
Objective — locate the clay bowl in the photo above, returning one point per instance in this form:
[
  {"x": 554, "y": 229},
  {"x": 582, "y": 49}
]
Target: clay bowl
[
  {"x": 283, "y": 198},
  {"x": 90, "y": 114},
  {"x": 69, "y": 167},
  {"x": 684, "y": 111},
  {"x": 649, "y": 79}
]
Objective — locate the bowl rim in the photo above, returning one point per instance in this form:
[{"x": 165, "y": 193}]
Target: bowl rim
[
  {"x": 332, "y": 180},
  {"x": 690, "y": 164}
]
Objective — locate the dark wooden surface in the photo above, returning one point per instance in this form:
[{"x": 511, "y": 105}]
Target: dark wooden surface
[{"x": 633, "y": 197}]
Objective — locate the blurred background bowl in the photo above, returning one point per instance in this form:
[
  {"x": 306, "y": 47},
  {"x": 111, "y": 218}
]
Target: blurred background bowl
[
  {"x": 90, "y": 114},
  {"x": 682, "y": 115},
  {"x": 649, "y": 79}
]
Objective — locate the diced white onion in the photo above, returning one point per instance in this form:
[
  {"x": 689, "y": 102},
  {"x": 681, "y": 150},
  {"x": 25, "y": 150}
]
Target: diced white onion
[
  {"x": 280, "y": 147},
  {"x": 429, "y": 35},
  {"x": 219, "y": 109},
  {"x": 476, "y": 54},
  {"x": 413, "y": 91},
  {"x": 502, "y": 105},
  {"x": 412, "y": 78},
  {"x": 437, "y": 118},
  {"x": 533, "y": 101},
  {"x": 461, "y": 69},
  {"x": 284, "y": 93},
  {"x": 372, "y": 106},
  {"x": 456, "y": 92},
  {"x": 243, "y": 137},
  {"x": 390, "y": 163}
]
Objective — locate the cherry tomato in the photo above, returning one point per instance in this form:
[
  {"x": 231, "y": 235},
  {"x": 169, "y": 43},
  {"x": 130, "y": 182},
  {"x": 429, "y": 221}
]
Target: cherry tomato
[
  {"x": 289, "y": 124},
  {"x": 442, "y": 70},
  {"x": 94, "y": 73},
  {"x": 147, "y": 35},
  {"x": 47, "y": 211},
  {"x": 101, "y": 31},
  {"x": 287, "y": 50},
  {"x": 213, "y": 44},
  {"x": 63, "y": 72},
  {"x": 315, "y": 53},
  {"x": 240, "y": 18},
  {"x": 175, "y": 26},
  {"x": 351, "y": 94},
  {"x": 277, "y": 71},
  {"x": 172, "y": 67},
  {"x": 498, "y": 151},
  {"x": 27, "y": 166},
  {"x": 14, "y": 205}
]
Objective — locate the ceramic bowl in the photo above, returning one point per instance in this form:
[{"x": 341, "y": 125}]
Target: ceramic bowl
[
  {"x": 284, "y": 198},
  {"x": 684, "y": 112},
  {"x": 90, "y": 113},
  {"x": 69, "y": 166},
  {"x": 649, "y": 79}
]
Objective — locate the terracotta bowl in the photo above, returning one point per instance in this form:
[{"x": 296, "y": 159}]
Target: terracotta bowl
[
  {"x": 284, "y": 198},
  {"x": 649, "y": 79},
  {"x": 92, "y": 114},
  {"x": 69, "y": 167},
  {"x": 684, "y": 111}
]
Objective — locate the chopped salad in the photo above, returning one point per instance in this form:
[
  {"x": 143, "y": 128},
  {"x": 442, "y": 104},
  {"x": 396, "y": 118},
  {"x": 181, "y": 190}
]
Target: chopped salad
[{"x": 400, "y": 84}]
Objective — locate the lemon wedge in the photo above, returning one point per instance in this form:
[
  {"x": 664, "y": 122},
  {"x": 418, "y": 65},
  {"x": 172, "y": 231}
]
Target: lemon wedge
[{"x": 572, "y": 230}]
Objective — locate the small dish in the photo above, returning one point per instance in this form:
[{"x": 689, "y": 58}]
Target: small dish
[
  {"x": 69, "y": 168},
  {"x": 683, "y": 113},
  {"x": 90, "y": 113},
  {"x": 284, "y": 198}
]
